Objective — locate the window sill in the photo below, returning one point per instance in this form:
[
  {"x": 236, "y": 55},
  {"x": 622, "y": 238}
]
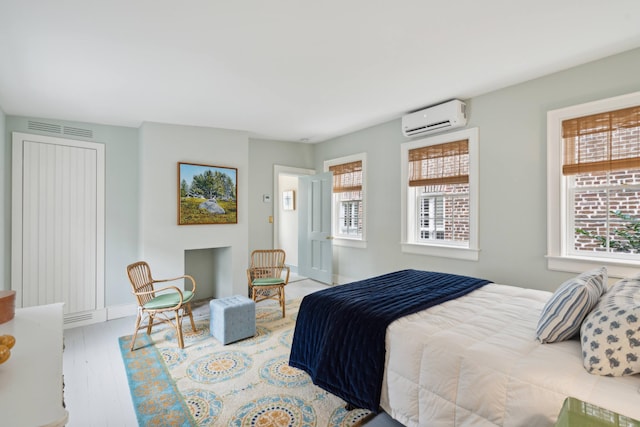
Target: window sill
[
  {"x": 574, "y": 264},
  {"x": 350, "y": 243},
  {"x": 453, "y": 252}
]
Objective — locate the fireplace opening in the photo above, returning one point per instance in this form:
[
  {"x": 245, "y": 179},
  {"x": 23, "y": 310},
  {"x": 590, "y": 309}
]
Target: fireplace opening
[{"x": 212, "y": 270}]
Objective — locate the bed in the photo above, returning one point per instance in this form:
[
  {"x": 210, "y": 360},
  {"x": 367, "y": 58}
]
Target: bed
[{"x": 473, "y": 360}]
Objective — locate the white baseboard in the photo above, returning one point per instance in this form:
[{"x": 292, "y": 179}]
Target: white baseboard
[
  {"x": 341, "y": 280},
  {"x": 102, "y": 315},
  {"x": 71, "y": 320},
  {"x": 124, "y": 310}
]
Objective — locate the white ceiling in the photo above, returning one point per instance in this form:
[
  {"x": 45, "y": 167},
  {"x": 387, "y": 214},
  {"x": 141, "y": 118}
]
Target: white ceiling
[{"x": 287, "y": 69}]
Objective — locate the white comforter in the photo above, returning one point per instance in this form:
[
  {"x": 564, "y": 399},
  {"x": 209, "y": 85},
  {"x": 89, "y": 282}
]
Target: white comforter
[{"x": 474, "y": 361}]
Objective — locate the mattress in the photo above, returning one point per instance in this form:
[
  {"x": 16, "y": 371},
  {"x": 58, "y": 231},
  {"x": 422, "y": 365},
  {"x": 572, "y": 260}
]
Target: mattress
[
  {"x": 339, "y": 339},
  {"x": 475, "y": 361}
]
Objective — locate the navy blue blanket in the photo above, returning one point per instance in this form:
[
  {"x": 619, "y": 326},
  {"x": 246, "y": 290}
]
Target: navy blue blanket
[{"x": 339, "y": 338}]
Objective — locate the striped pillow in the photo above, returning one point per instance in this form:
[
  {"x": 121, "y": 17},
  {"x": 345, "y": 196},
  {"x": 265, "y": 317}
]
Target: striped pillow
[{"x": 563, "y": 314}]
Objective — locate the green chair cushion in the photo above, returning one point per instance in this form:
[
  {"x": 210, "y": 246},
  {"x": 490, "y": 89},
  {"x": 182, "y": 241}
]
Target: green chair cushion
[
  {"x": 168, "y": 300},
  {"x": 266, "y": 281}
]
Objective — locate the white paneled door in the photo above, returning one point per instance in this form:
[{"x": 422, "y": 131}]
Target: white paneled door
[
  {"x": 58, "y": 225},
  {"x": 315, "y": 246}
]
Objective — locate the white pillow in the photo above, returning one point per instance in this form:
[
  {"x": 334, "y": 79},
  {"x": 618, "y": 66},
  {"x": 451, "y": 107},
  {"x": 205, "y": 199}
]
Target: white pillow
[
  {"x": 563, "y": 314},
  {"x": 610, "y": 335}
]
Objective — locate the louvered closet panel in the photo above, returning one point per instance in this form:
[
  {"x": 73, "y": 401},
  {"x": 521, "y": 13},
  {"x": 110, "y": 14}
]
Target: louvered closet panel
[{"x": 59, "y": 226}]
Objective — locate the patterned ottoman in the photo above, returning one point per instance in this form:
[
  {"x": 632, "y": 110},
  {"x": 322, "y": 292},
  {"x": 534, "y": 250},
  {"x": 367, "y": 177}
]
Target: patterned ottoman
[{"x": 232, "y": 318}]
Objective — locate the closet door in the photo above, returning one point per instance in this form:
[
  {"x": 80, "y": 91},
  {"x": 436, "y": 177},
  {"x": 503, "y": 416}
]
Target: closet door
[{"x": 58, "y": 224}]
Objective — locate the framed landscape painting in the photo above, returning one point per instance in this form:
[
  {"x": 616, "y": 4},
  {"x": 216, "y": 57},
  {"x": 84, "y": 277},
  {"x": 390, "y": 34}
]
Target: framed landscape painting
[{"x": 207, "y": 194}]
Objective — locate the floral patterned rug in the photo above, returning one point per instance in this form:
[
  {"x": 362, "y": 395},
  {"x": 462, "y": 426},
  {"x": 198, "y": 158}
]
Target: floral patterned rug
[{"x": 247, "y": 383}]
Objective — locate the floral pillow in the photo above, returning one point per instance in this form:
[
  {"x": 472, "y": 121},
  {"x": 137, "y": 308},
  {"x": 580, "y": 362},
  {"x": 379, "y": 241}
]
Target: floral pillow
[{"x": 610, "y": 335}]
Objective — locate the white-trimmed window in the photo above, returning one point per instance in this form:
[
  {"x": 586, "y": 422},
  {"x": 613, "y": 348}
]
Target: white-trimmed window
[
  {"x": 348, "y": 208},
  {"x": 594, "y": 186},
  {"x": 431, "y": 217},
  {"x": 439, "y": 201}
]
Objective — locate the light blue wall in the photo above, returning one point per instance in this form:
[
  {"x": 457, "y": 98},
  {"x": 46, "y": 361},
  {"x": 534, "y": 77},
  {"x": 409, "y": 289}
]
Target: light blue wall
[
  {"x": 124, "y": 178},
  {"x": 122, "y": 195},
  {"x": 382, "y": 145},
  {"x": 163, "y": 241},
  {"x": 263, "y": 155},
  {"x": 513, "y": 201}
]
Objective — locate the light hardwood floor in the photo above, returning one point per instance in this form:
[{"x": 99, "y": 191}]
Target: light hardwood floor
[{"x": 96, "y": 390}]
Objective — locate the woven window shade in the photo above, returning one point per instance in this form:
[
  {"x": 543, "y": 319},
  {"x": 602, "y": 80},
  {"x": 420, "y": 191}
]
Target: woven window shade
[
  {"x": 347, "y": 177},
  {"x": 439, "y": 164},
  {"x": 602, "y": 142}
]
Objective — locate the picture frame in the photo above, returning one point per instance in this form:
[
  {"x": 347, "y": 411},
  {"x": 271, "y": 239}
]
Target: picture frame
[
  {"x": 289, "y": 200},
  {"x": 207, "y": 194}
]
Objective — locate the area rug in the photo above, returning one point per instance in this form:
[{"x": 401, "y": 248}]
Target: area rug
[{"x": 247, "y": 383}]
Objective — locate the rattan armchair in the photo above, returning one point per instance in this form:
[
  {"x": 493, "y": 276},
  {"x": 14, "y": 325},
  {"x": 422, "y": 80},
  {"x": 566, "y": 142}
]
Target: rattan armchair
[
  {"x": 162, "y": 302},
  {"x": 268, "y": 275}
]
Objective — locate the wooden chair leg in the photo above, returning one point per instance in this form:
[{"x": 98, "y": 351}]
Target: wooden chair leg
[
  {"x": 193, "y": 325},
  {"x": 135, "y": 333},
  {"x": 282, "y": 304},
  {"x": 179, "y": 329},
  {"x": 150, "y": 324}
]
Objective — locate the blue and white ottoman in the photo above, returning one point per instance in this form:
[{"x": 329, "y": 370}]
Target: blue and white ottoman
[{"x": 232, "y": 318}]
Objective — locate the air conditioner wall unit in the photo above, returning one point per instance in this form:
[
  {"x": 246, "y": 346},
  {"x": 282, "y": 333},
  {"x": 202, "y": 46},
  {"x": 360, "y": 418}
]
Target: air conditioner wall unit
[{"x": 448, "y": 115}]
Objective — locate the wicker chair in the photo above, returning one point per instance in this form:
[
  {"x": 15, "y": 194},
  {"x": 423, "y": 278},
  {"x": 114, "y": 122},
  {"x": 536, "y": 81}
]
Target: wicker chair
[
  {"x": 265, "y": 276},
  {"x": 163, "y": 301}
]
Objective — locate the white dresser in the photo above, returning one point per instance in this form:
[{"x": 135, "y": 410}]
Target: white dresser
[{"x": 31, "y": 380}]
